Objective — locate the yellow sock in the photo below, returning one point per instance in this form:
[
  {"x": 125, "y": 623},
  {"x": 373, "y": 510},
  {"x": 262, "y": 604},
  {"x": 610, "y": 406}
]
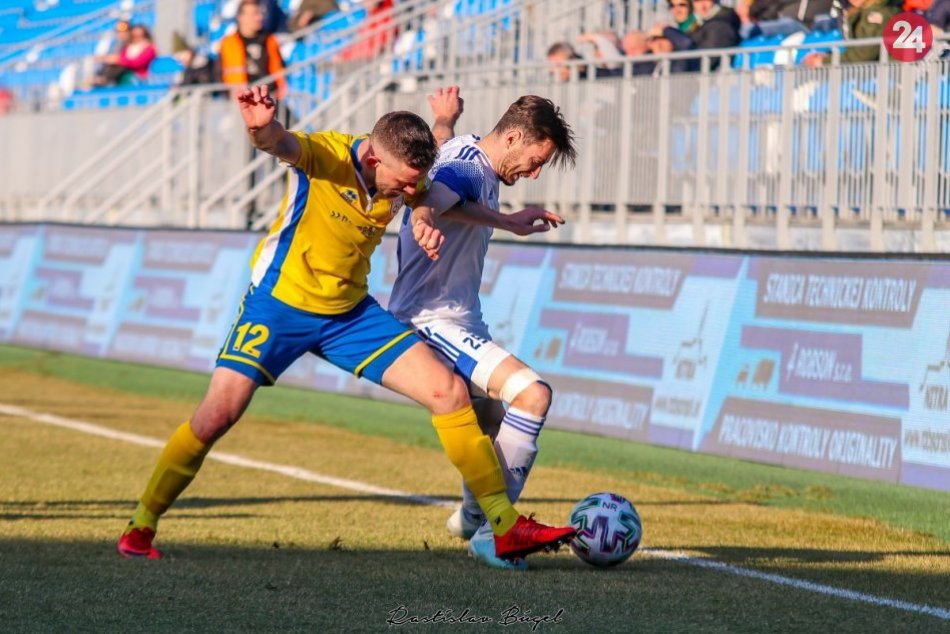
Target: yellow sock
[
  {"x": 176, "y": 468},
  {"x": 473, "y": 454}
]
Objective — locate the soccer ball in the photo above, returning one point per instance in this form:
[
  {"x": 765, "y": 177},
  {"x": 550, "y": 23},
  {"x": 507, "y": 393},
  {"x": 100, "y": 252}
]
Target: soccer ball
[{"x": 608, "y": 529}]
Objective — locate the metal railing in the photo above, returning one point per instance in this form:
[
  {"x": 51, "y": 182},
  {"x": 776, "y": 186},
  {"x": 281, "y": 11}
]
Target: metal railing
[
  {"x": 850, "y": 157},
  {"x": 184, "y": 129},
  {"x": 162, "y": 140},
  {"x": 843, "y": 157}
]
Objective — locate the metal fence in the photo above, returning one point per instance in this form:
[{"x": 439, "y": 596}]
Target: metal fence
[
  {"x": 853, "y": 157},
  {"x": 172, "y": 145},
  {"x": 845, "y": 157}
]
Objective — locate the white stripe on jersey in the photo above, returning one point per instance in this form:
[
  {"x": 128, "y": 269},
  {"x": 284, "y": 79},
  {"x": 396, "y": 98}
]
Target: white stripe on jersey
[
  {"x": 266, "y": 257},
  {"x": 448, "y": 288}
]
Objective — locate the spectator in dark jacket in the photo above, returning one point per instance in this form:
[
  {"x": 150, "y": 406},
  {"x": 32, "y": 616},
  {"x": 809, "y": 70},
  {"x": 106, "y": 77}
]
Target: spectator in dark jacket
[
  {"x": 635, "y": 44},
  {"x": 275, "y": 20},
  {"x": 719, "y": 29},
  {"x": 198, "y": 68},
  {"x": 939, "y": 15},
  {"x": 669, "y": 39},
  {"x": 801, "y": 11}
]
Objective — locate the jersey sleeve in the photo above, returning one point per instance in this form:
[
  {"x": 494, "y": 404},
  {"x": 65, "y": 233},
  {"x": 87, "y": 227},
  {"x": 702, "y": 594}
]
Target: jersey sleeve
[
  {"x": 318, "y": 155},
  {"x": 465, "y": 178}
]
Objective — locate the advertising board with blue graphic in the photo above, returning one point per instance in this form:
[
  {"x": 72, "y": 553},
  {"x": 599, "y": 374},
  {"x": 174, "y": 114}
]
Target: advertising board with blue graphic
[{"x": 830, "y": 364}]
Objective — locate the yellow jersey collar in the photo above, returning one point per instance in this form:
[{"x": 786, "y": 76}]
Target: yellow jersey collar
[{"x": 358, "y": 170}]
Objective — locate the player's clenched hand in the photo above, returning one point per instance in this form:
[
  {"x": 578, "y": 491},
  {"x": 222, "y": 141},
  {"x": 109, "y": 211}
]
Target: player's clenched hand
[
  {"x": 446, "y": 105},
  {"x": 429, "y": 238},
  {"x": 526, "y": 221},
  {"x": 257, "y": 107}
]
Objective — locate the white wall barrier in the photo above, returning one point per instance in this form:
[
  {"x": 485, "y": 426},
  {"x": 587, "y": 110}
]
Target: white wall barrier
[{"x": 837, "y": 364}]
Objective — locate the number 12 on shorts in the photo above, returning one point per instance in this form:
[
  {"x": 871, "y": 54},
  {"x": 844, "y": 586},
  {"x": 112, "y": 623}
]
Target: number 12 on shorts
[{"x": 248, "y": 337}]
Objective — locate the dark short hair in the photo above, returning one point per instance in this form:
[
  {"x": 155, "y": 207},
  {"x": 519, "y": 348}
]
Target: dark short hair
[
  {"x": 540, "y": 120},
  {"x": 407, "y": 137}
]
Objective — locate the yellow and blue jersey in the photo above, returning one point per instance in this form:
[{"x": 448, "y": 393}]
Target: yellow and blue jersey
[
  {"x": 316, "y": 255},
  {"x": 309, "y": 274}
]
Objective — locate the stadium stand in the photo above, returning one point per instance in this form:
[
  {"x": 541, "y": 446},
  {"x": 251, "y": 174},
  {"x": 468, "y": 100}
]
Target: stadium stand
[{"x": 759, "y": 142}]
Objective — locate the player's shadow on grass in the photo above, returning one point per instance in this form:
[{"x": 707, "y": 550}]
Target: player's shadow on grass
[{"x": 70, "y": 585}]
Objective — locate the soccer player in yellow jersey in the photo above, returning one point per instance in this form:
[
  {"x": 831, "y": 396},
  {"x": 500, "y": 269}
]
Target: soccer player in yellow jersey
[{"x": 308, "y": 293}]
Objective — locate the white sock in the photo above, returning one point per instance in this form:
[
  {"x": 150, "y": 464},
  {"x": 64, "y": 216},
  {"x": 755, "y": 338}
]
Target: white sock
[
  {"x": 469, "y": 503},
  {"x": 517, "y": 447}
]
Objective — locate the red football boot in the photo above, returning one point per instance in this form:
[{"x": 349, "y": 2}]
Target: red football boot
[
  {"x": 136, "y": 543},
  {"x": 528, "y": 536}
]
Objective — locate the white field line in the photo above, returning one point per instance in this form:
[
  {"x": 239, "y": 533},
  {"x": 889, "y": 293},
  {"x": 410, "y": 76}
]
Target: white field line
[
  {"x": 362, "y": 487},
  {"x": 227, "y": 458},
  {"x": 820, "y": 588}
]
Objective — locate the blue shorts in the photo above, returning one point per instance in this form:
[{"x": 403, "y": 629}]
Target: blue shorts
[{"x": 268, "y": 335}]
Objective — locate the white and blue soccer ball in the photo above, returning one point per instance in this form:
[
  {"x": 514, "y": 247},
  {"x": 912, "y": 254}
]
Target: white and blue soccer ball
[{"x": 608, "y": 529}]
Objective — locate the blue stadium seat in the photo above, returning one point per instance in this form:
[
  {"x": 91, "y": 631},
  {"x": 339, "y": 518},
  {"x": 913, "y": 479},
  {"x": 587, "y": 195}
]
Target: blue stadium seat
[
  {"x": 765, "y": 58},
  {"x": 817, "y": 38},
  {"x": 16, "y": 6},
  {"x": 115, "y": 97},
  {"x": 21, "y": 35},
  {"x": 204, "y": 11},
  {"x": 164, "y": 71}
]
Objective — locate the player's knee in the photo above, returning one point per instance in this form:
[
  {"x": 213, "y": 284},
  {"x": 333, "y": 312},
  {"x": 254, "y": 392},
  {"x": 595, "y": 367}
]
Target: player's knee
[
  {"x": 534, "y": 399},
  {"x": 458, "y": 394},
  {"x": 525, "y": 390},
  {"x": 210, "y": 422},
  {"x": 447, "y": 393}
]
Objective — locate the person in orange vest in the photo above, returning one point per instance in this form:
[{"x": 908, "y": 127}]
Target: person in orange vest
[{"x": 250, "y": 53}]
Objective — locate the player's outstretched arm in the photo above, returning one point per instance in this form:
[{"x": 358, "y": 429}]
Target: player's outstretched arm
[
  {"x": 447, "y": 107},
  {"x": 521, "y": 223},
  {"x": 258, "y": 111},
  {"x": 430, "y": 206}
]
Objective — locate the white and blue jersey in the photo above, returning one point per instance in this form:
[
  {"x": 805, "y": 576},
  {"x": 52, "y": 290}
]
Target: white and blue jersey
[
  {"x": 440, "y": 298},
  {"x": 447, "y": 289}
]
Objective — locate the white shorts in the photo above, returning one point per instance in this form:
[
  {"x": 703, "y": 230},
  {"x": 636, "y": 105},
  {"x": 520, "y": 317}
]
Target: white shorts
[{"x": 474, "y": 357}]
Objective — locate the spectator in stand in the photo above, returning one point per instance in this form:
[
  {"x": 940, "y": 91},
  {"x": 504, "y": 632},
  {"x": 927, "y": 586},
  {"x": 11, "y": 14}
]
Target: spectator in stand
[
  {"x": 865, "y": 19},
  {"x": 377, "y": 33},
  {"x": 779, "y": 17},
  {"x": 637, "y": 44},
  {"x": 250, "y": 54},
  {"x": 109, "y": 69},
  {"x": 939, "y": 16},
  {"x": 600, "y": 46},
  {"x": 682, "y": 13},
  {"x": 275, "y": 20},
  {"x": 311, "y": 11},
  {"x": 199, "y": 68},
  {"x": 132, "y": 60},
  {"x": 560, "y": 53},
  {"x": 664, "y": 39},
  {"x": 120, "y": 38},
  {"x": 719, "y": 27}
]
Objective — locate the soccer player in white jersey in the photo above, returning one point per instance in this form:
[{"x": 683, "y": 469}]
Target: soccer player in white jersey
[{"x": 437, "y": 286}]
